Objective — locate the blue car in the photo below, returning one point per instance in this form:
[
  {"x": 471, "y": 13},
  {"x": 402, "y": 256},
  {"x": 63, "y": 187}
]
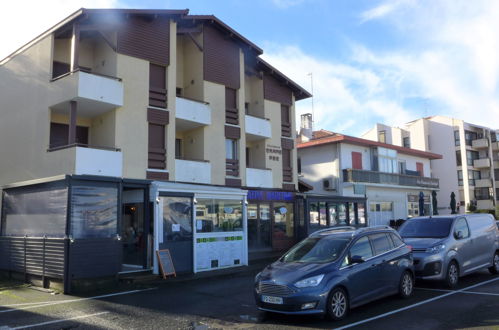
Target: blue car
[{"x": 336, "y": 269}]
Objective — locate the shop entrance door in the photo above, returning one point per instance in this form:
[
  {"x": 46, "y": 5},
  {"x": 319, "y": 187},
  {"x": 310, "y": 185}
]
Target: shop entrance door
[
  {"x": 176, "y": 227},
  {"x": 134, "y": 231},
  {"x": 259, "y": 227}
]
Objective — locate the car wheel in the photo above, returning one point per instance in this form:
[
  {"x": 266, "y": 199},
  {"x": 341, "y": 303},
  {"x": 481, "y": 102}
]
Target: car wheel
[
  {"x": 452, "y": 276},
  {"x": 406, "y": 285},
  {"x": 494, "y": 269},
  {"x": 337, "y": 304}
]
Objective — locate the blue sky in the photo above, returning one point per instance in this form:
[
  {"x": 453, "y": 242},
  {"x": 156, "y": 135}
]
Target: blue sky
[{"x": 388, "y": 61}]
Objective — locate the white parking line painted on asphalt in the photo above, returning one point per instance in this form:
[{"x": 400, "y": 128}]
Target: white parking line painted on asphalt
[
  {"x": 58, "y": 321},
  {"x": 415, "y": 305},
  {"x": 471, "y": 292},
  {"x": 51, "y": 303}
]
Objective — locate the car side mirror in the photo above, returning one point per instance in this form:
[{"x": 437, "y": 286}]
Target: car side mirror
[
  {"x": 356, "y": 260},
  {"x": 458, "y": 235}
]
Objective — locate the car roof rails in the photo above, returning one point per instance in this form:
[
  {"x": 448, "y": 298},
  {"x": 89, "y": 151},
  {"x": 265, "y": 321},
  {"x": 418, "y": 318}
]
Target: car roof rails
[
  {"x": 332, "y": 229},
  {"x": 360, "y": 230}
]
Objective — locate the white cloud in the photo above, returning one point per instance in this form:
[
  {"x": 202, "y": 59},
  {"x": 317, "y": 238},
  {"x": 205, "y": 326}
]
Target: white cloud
[
  {"x": 346, "y": 98},
  {"x": 449, "y": 60},
  {"x": 22, "y": 21}
]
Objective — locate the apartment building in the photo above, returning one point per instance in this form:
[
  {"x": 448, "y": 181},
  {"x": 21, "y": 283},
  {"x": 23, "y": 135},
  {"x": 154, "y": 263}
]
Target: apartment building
[
  {"x": 390, "y": 177},
  {"x": 470, "y": 164},
  {"x": 125, "y": 132}
]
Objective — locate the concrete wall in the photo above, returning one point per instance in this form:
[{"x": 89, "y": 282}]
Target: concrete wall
[
  {"x": 319, "y": 163},
  {"x": 346, "y": 156}
]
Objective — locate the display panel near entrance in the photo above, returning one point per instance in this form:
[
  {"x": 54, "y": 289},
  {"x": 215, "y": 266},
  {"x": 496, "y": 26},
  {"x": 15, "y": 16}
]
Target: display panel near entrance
[{"x": 283, "y": 229}]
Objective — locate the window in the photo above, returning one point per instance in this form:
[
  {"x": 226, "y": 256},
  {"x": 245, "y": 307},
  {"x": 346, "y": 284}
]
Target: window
[
  {"x": 482, "y": 193},
  {"x": 472, "y": 176},
  {"x": 387, "y": 160},
  {"x": 402, "y": 166},
  {"x": 362, "y": 248},
  {"x": 35, "y": 211},
  {"x": 462, "y": 226},
  {"x": 457, "y": 142},
  {"x": 406, "y": 142},
  {"x": 94, "y": 211},
  {"x": 396, "y": 240},
  {"x": 218, "y": 215},
  {"x": 471, "y": 156},
  {"x": 382, "y": 136},
  {"x": 380, "y": 243},
  {"x": 356, "y": 160},
  {"x": 361, "y": 214},
  {"x": 284, "y": 220},
  {"x": 231, "y": 149},
  {"x": 460, "y": 181},
  {"x": 469, "y": 137},
  {"x": 178, "y": 148},
  {"x": 458, "y": 158}
]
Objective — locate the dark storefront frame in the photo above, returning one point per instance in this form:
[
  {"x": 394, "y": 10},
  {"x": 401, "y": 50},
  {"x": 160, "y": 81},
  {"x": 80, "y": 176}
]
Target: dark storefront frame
[
  {"x": 68, "y": 258},
  {"x": 303, "y": 207}
]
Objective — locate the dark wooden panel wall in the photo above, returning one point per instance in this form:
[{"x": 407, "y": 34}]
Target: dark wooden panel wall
[
  {"x": 221, "y": 58},
  {"x": 158, "y": 119},
  {"x": 145, "y": 38},
  {"x": 273, "y": 90}
]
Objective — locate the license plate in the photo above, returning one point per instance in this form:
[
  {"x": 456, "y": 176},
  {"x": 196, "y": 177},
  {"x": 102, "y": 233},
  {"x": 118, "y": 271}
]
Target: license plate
[{"x": 272, "y": 300}]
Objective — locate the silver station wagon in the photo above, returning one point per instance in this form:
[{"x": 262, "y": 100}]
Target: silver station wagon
[{"x": 448, "y": 247}]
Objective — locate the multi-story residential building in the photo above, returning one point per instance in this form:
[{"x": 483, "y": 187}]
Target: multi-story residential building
[
  {"x": 470, "y": 165},
  {"x": 131, "y": 131},
  {"x": 391, "y": 177}
]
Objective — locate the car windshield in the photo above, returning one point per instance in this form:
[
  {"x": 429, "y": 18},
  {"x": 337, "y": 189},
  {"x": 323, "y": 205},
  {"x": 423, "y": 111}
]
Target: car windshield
[
  {"x": 317, "y": 250},
  {"x": 426, "y": 228}
]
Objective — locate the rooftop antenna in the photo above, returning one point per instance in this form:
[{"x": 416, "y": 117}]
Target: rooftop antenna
[{"x": 312, "y": 92}]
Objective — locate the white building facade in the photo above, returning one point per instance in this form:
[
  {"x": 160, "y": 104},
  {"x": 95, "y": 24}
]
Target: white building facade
[
  {"x": 470, "y": 158},
  {"x": 391, "y": 177}
]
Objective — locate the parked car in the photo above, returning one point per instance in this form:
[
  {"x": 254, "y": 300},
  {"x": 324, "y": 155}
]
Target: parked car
[
  {"x": 336, "y": 269},
  {"x": 448, "y": 247}
]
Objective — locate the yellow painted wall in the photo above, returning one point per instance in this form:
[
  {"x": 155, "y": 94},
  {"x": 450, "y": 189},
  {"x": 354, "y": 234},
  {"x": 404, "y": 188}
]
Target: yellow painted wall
[
  {"x": 131, "y": 119},
  {"x": 25, "y": 117},
  {"x": 241, "y": 98},
  {"x": 193, "y": 85},
  {"x": 273, "y": 112},
  {"x": 172, "y": 83},
  {"x": 214, "y": 134}
]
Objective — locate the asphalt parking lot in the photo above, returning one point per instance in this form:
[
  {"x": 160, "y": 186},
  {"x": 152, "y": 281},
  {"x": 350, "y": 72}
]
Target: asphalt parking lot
[{"x": 227, "y": 302}]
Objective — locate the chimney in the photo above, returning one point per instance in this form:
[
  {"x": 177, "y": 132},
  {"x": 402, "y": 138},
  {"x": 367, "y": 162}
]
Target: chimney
[{"x": 306, "y": 127}]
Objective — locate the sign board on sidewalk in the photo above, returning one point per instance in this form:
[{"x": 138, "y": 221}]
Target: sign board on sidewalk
[{"x": 166, "y": 263}]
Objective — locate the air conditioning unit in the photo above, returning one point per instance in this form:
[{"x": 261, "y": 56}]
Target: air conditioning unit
[{"x": 329, "y": 184}]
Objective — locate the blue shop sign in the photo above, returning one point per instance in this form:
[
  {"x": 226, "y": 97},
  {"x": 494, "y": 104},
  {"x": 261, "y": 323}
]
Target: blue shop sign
[{"x": 262, "y": 195}]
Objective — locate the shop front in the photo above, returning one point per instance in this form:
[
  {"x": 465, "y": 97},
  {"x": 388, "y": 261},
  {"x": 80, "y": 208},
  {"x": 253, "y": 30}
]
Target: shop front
[
  {"x": 203, "y": 227},
  {"x": 318, "y": 212},
  {"x": 71, "y": 228},
  {"x": 271, "y": 220}
]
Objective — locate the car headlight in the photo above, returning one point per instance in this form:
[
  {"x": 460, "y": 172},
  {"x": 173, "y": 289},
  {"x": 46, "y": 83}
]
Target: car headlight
[
  {"x": 311, "y": 281},
  {"x": 435, "y": 249},
  {"x": 257, "y": 276}
]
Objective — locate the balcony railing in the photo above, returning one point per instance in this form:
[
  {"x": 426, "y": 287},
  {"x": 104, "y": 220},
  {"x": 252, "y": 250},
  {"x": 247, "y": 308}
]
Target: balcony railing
[
  {"x": 258, "y": 177},
  {"x": 481, "y": 163},
  {"x": 352, "y": 175},
  {"x": 190, "y": 170},
  {"x": 480, "y": 143}
]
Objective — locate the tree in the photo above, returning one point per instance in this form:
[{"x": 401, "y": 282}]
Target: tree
[
  {"x": 453, "y": 203},
  {"x": 434, "y": 202}
]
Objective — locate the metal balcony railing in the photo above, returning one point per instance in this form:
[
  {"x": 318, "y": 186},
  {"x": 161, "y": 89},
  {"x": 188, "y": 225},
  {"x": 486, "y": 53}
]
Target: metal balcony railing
[{"x": 359, "y": 176}]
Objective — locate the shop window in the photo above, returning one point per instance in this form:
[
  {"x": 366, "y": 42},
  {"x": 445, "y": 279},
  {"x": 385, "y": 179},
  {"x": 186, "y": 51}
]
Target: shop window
[
  {"x": 177, "y": 219},
  {"x": 35, "y": 211},
  {"x": 218, "y": 215},
  {"x": 283, "y": 221},
  {"x": 361, "y": 214},
  {"x": 342, "y": 215},
  {"x": 94, "y": 211},
  {"x": 333, "y": 214}
]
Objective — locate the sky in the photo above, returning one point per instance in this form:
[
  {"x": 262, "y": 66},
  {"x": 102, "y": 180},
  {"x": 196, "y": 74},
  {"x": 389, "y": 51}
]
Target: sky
[{"x": 366, "y": 61}]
